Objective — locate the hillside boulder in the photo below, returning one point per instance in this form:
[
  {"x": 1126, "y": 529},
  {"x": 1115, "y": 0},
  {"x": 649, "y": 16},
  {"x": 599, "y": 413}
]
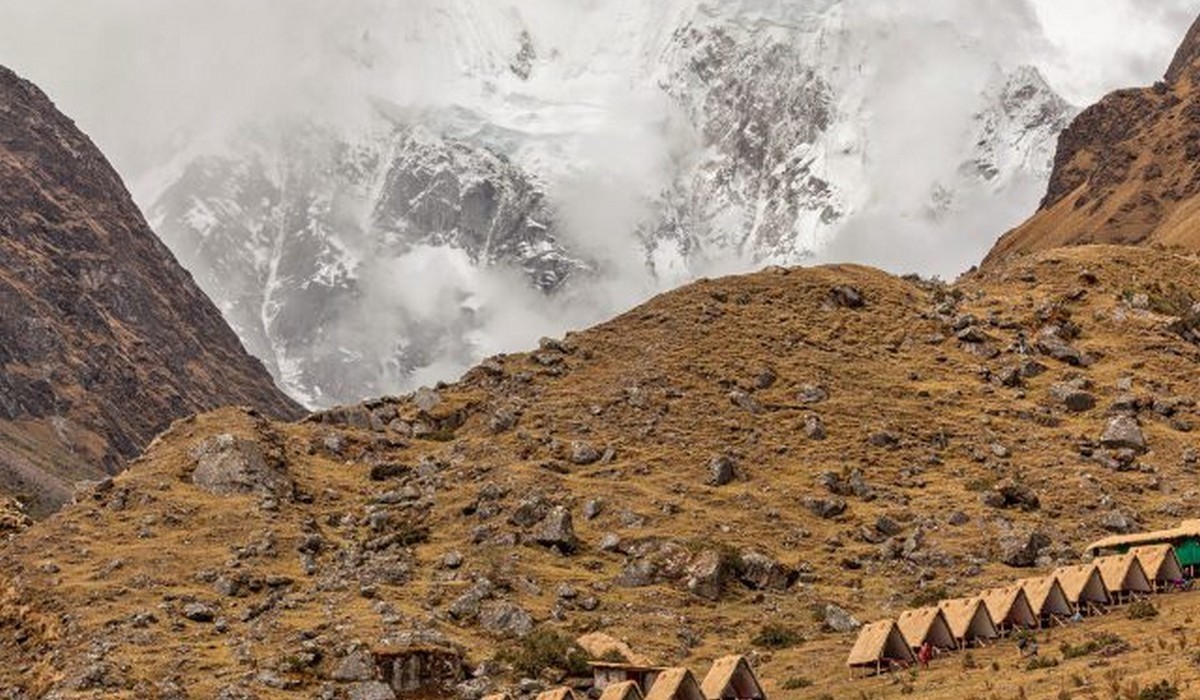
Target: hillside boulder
[
  {"x": 228, "y": 465},
  {"x": 1123, "y": 432}
]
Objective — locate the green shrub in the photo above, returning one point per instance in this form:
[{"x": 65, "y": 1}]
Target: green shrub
[
  {"x": 1142, "y": 610},
  {"x": 968, "y": 661},
  {"x": 796, "y": 683},
  {"x": 776, "y": 636},
  {"x": 1091, "y": 646},
  {"x": 1163, "y": 690},
  {"x": 1039, "y": 662},
  {"x": 545, "y": 648},
  {"x": 929, "y": 596}
]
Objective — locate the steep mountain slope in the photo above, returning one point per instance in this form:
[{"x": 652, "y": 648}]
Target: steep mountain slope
[
  {"x": 740, "y": 134},
  {"x": 1126, "y": 170},
  {"x": 104, "y": 338},
  {"x": 737, "y": 452}
]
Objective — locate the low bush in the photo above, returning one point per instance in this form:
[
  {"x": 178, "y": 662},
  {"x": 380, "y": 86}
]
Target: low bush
[
  {"x": 1163, "y": 690},
  {"x": 776, "y": 636},
  {"x": 1039, "y": 662},
  {"x": 543, "y": 649},
  {"x": 1142, "y": 610},
  {"x": 796, "y": 683}
]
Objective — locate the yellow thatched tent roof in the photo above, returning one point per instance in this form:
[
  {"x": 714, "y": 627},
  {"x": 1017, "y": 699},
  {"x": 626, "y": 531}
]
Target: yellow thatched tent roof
[
  {"x": 1186, "y": 530},
  {"x": 1046, "y": 595},
  {"x": 926, "y": 625},
  {"x": 1009, "y": 606},
  {"x": 732, "y": 677},
  {"x": 560, "y": 693},
  {"x": 599, "y": 645},
  {"x": 878, "y": 641},
  {"x": 969, "y": 619},
  {"x": 625, "y": 690},
  {"x": 1123, "y": 573},
  {"x": 676, "y": 683},
  {"x": 1082, "y": 583},
  {"x": 1159, "y": 562}
]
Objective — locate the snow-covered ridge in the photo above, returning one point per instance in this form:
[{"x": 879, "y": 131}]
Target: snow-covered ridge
[{"x": 576, "y": 157}]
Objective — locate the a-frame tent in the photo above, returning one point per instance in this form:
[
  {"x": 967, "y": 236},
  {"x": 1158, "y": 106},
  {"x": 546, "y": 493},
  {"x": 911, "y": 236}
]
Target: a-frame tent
[
  {"x": 926, "y": 625},
  {"x": 1047, "y": 599},
  {"x": 1084, "y": 588},
  {"x": 1161, "y": 565},
  {"x": 1009, "y": 608},
  {"x": 731, "y": 678},
  {"x": 625, "y": 690},
  {"x": 1124, "y": 577},
  {"x": 880, "y": 646},
  {"x": 676, "y": 683},
  {"x": 969, "y": 621}
]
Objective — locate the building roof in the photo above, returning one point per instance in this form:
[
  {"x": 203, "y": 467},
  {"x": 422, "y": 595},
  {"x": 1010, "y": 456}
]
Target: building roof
[
  {"x": 497, "y": 696},
  {"x": 560, "y": 693},
  {"x": 965, "y": 613},
  {"x": 1076, "y": 579},
  {"x": 625, "y": 690},
  {"x": 1003, "y": 603},
  {"x": 1039, "y": 591},
  {"x": 920, "y": 625},
  {"x": 731, "y": 670},
  {"x": 1158, "y": 561},
  {"x": 879, "y": 640},
  {"x": 1186, "y": 529},
  {"x": 675, "y": 683},
  {"x": 1123, "y": 572}
]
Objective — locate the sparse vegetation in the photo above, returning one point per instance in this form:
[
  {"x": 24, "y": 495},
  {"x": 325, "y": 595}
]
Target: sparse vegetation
[
  {"x": 968, "y": 660},
  {"x": 1141, "y": 610},
  {"x": 1163, "y": 690},
  {"x": 796, "y": 683},
  {"x": 1040, "y": 662},
  {"x": 1103, "y": 640},
  {"x": 929, "y": 596},
  {"x": 544, "y": 649},
  {"x": 776, "y": 636}
]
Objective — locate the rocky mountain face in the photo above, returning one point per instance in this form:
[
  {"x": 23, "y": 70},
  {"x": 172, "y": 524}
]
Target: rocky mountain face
[
  {"x": 1126, "y": 170},
  {"x": 306, "y": 234},
  {"x": 755, "y": 463},
  {"x": 104, "y": 338}
]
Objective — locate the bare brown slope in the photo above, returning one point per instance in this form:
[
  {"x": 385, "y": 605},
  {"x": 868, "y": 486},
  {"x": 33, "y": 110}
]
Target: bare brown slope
[
  {"x": 1127, "y": 170},
  {"x": 104, "y": 338},
  {"x": 430, "y": 513}
]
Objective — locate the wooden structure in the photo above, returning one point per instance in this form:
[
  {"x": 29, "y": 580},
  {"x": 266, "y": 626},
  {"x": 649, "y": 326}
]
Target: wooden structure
[
  {"x": 1047, "y": 599},
  {"x": 1010, "y": 608},
  {"x": 625, "y": 690},
  {"x": 1084, "y": 588},
  {"x": 676, "y": 683},
  {"x": 970, "y": 622},
  {"x": 926, "y": 625},
  {"x": 605, "y": 674},
  {"x": 731, "y": 678},
  {"x": 419, "y": 668},
  {"x": 1124, "y": 577},
  {"x": 1161, "y": 565},
  {"x": 1185, "y": 539},
  {"x": 880, "y": 647}
]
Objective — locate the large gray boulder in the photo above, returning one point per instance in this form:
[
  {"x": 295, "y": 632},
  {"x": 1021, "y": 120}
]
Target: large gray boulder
[
  {"x": 228, "y": 465},
  {"x": 557, "y": 530},
  {"x": 506, "y": 619},
  {"x": 1123, "y": 432}
]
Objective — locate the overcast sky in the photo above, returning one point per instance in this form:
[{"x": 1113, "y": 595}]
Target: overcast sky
[{"x": 132, "y": 71}]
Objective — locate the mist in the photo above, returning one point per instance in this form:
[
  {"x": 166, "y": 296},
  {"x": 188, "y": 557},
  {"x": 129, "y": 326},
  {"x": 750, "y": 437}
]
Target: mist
[{"x": 158, "y": 83}]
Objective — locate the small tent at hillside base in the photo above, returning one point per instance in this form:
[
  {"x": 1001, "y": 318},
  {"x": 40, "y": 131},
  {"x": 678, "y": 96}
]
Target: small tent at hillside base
[
  {"x": 1009, "y": 608},
  {"x": 605, "y": 674},
  {"x": 1123, "y": 576},
  {"x": 676, "y": 683},
  {"x": 731, "y": 678},
  {"x": 969, "y": 621},
  {"x": 926, "y": 625},
  {"x": 880, "y": 647},
  {"x": 1048, "y": 600},
  {"x": 1185, "y": 539},
  {"x": 625, "y": 690},
  {"x": 1083, "y": 587},
  {"x": 1161, "y": 565}
]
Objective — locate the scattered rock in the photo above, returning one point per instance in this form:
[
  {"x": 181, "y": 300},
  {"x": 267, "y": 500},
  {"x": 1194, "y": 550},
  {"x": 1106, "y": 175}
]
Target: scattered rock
[
  {"x": 1115, "y": 521},
  {"x": 837, "y": 619},
  {"x": 584, "y": 453},
  {"x": 1050, "y": 342},
  {"x": 825, "y": 507},
  {"x": 1124, "y": 432},
  {"x": 1008, "y": 493},
  {"x": 370, "y": 690},
  {"x": 556, "y": 530},
  {"x": 199, "y": 612},
  {"x": 1074, "y": 395},
  {"x": 358, "y": 665},
  {"x": 229, "y": 465},
  {"x": 761, "y": 572},
  {"x": 721, "y": 470},
  {"x": 745, "y": 401},
  {"x": 814, "y": 427},
  {"x": 529, "y": 511},
  {"x": 708, "y": 574},
  {"x": 846, "y": 297},
  {"x": 506, "y": 619},
  {"x": 592, "y": 508},
  {"x": 1021, "y": 549},
  {"x": 812, "y": 393}
]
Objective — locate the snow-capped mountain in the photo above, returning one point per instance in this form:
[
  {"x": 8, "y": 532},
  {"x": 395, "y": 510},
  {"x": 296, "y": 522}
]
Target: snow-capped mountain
[{"x": 569, "y": 168}]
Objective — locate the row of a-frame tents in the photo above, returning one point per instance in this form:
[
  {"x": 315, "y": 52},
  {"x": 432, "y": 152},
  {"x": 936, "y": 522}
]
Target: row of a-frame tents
[
  {"x": 1084, "y": 589},
  {"x": 729, "y": 678}
]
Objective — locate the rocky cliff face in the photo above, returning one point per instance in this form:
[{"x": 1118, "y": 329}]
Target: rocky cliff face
[
  {"x": 1126, "y": 170},
  {"x": 777, "y": 138},
  {"x": 104, "y": 338}
]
